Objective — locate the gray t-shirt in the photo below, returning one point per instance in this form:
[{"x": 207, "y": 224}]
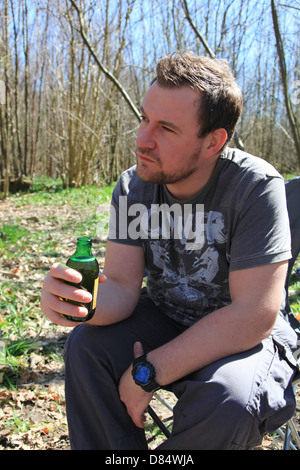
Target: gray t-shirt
[{"x": 237, "y": 221}]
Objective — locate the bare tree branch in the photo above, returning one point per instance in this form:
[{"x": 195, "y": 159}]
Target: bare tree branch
[
  {"x": 196, "y": 31},
  {"x": 107, "y": 73},
  {"x": 294, "y": 123},
  {"x": 237, "y": 139},
  {"x": 289, "y": 6}
]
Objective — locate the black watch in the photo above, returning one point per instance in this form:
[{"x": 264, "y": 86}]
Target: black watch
[{"x": 143, "y": 373}]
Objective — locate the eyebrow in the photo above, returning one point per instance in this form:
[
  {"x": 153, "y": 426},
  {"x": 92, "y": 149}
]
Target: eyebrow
[{"x": 164, "y": 123}]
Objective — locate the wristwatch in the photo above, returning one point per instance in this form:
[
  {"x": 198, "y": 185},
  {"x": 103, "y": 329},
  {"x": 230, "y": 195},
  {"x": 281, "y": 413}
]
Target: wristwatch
[{"x": 143, "y": 373}]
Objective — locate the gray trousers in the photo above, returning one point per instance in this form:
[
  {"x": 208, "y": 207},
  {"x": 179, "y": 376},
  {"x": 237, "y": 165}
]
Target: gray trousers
[{"x": 229, "y": 404}]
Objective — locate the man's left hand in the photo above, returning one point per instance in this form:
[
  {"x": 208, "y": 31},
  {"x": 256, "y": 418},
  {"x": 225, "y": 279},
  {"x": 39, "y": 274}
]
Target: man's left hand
[{"x": 133, "y": 396}]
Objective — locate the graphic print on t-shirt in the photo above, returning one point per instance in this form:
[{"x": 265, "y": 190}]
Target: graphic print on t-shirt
[{"x": 185, "y": 283}]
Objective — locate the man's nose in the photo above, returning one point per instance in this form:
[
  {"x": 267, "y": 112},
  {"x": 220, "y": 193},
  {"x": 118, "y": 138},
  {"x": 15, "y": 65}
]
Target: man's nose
[{"x": 145, "y": 137}]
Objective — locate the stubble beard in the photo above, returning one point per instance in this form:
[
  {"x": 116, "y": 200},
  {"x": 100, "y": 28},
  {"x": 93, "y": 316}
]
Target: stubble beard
[{"x": 162, "y": 177}]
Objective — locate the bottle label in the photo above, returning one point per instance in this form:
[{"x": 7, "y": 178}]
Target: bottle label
[{"x": 95, "y": 292}]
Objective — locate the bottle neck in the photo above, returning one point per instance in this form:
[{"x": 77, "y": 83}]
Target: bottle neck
[{"x": 83, "y": 249}]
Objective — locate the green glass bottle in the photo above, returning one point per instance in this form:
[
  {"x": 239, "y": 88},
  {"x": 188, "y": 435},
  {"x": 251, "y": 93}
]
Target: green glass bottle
[{"x": 84, "y": 262}]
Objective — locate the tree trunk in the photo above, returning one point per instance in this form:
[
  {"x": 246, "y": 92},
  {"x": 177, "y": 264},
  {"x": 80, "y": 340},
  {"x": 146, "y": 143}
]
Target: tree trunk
[{"x": 293, "y": 120}]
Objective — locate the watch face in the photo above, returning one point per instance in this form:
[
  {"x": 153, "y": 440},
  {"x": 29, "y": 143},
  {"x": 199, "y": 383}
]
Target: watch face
[{"x": 142, "y": 374}]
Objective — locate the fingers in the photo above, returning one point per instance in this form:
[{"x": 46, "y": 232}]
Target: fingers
[
  {"x": 55, "y": 290},
  {"x": 65, "y": 291},
  {"x": 139, "y": 420},
  {"x": 102, "y": 278},
  {"x": 54, "y": 307},
  {"x": 61, "y": 271},
  {"x": 138, "y": 349},
  {"x": 58, "y": 319}
]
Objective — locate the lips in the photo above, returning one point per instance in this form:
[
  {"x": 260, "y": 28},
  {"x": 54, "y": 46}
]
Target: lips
[{"x": 145, "y": 157}]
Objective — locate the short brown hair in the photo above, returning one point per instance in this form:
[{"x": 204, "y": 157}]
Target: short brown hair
[{"x": 221, "y": 98}]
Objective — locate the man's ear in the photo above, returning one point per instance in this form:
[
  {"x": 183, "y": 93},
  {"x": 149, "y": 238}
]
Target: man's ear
[{"x": 215, "y": 141}]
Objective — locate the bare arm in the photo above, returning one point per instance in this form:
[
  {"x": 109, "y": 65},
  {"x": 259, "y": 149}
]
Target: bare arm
[
  {"x": 256, "y": 296},
  {"x": 117, "y": 297},
  {"x": 118, "y": 291}
]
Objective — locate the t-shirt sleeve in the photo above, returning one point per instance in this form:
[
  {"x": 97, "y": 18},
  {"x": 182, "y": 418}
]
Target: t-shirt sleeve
[
  {"x": 262, "y": 232},
  {"x": 119, "y": 220}
]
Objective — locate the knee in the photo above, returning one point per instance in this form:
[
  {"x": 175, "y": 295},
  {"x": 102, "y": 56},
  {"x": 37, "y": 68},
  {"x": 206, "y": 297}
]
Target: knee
[
  {"x": 84, "y": 342},
  {"x": 212, "y": 399},
  {"x": 85, "y": 353},
  {"x": 215, "y": 416},
  {"x": 76, "y": 341},
  {"x": 99, "y": 347}
]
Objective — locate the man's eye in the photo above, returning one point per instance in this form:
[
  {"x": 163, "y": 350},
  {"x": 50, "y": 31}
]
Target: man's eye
[{"x": 167, "y": 129}]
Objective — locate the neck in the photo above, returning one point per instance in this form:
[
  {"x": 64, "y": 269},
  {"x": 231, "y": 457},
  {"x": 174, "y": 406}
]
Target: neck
[{"x": 186, "y": 189}]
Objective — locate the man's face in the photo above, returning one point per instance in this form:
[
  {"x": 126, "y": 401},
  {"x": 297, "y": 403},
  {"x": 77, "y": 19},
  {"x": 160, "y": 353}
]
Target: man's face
[{"x": 168, "y": 148}]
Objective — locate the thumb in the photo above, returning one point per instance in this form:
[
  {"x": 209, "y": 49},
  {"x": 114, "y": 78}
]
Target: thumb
[
  {"x": 102, "y": 277},
  {"x": 138, "y": 349}
]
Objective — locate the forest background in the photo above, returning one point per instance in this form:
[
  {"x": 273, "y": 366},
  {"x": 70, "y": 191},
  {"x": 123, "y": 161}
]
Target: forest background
[{"x": 73, "y": 74}]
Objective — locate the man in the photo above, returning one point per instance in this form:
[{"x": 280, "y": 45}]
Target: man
[{"x": 210, "y": 225}]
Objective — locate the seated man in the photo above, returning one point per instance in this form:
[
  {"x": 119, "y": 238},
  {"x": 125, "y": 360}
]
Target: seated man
[{"x": 210, "y": 225}]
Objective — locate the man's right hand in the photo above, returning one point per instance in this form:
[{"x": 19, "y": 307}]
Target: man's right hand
[
  {"x": 55, "y": 289},
  {"x": 118, "y": 293}
]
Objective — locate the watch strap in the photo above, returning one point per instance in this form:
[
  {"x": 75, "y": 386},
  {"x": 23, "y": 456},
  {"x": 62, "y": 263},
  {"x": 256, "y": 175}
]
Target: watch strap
[{"x": 152, "y": 385}]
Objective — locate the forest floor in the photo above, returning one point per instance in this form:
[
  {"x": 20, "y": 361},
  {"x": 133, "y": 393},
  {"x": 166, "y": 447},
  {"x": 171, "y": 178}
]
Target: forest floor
[{"x": 33, "y": 235}]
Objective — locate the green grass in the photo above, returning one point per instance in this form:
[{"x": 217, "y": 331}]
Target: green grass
[
  {"x": 27, "y": 250},
  {"x": 54, "y": 194}
]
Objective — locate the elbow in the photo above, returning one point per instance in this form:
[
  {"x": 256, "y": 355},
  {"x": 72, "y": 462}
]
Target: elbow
[
  {"x": 256, "y": 324},
  {"x": 266, "y": 321}
]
